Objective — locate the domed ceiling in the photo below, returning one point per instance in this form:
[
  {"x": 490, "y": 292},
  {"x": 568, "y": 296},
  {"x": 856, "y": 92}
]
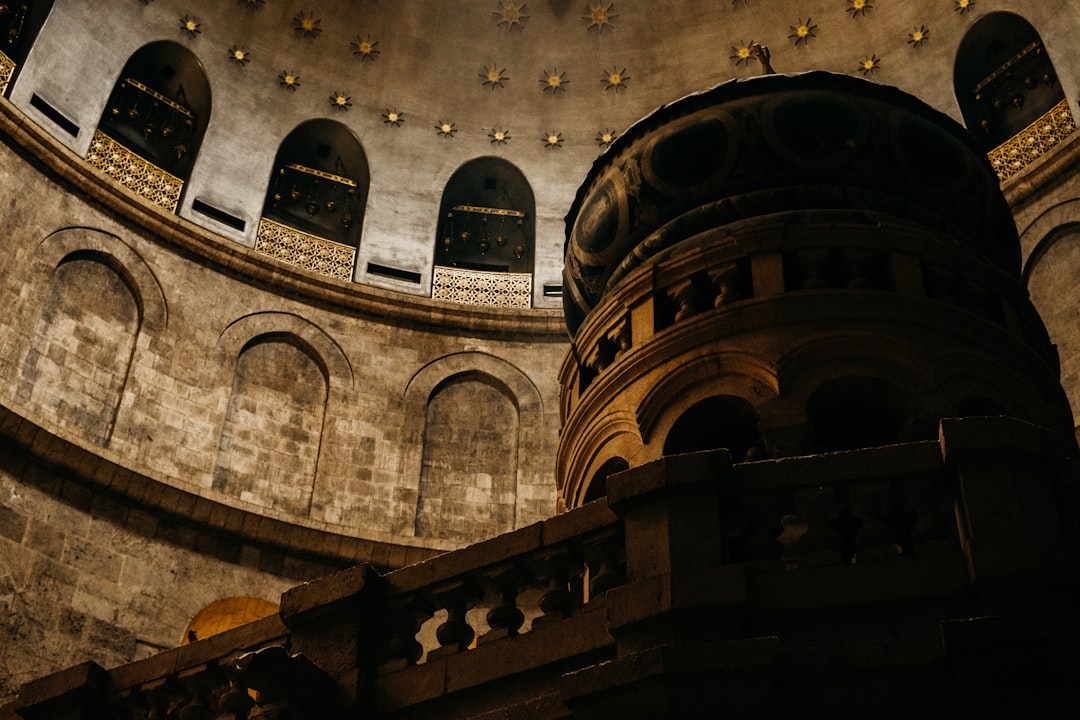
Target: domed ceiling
[{"x": 427, "y": 86}]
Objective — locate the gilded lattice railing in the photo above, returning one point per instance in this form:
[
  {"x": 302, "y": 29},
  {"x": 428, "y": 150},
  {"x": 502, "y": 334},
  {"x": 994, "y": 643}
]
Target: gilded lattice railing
[
  {"x": 133, "y": 172},
  {"x": 307, "y": 251},
  {"x": 7, "y": 69},
  {"x": 474, "y": 287},
  {"x": 1030, "y": 143}
]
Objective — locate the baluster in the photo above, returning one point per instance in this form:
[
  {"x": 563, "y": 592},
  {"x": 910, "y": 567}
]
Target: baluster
[
  {"x": 234, "y": 703},
  {"x": 400, "y": 624},
  {"x": 860, "y": 268},
  {"x": 555, "y": 566},
  {"x": 455, "y": 634},
  {"x": 602, "y": 356},
  {"x": 875, "y": 539},
  {"x": 727, "y": 282},
  {"x": 820, "y": 544},
  {"x": 762, "y": 525},
  {"x": 688, "y": 299},
  {"x": 605, "y": 554},
  {"x": 505, "y": 618},
  {"x": 620, "y": 338},
  {"x": 813, "y": 263},
  {"x": 935, "y": 527}
]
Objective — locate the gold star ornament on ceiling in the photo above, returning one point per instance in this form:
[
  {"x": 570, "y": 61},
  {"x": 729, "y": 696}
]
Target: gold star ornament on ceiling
[
  {"x": 802, "y": 32},
  {"x": 493, "y": 77},
  {"x": 365, "y": 48},
  {"x": 307, "y": 25},
  {"x": 918, "y": 36},
  {"x": 554, "y": 82},
  {"x": 499, "y": 137},
  {"x": 239, "y": 55},
  {"x": 859, "y": 7},
  {"x": 445, "y": 129},
  {"x": 605, "y": 138},
  {"x": 962, "y": 6},
  {"x": 393, "y": 118},
  {"x": 289, "y": 80},
  {"x": 869, "y": 65},
  {"x": 511, "y": 15},
  {"x": 191, "y": 25},
  {"x": 341, "y": 102},
  {"x": 742, "y": 53},
  {"x": 553, "y": 140},
  {"x": 600, "y": 17},
  {"x": 615, "y": 79}
]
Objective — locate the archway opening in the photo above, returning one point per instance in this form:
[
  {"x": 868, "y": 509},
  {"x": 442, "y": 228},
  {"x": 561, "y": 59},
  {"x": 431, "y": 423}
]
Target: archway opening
[
  {"x": 20, "y": 23},
  {"x": 722, "y": 421}
]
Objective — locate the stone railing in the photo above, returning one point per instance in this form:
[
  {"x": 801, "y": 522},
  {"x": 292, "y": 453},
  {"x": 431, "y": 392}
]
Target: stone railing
[{"x": 565, "y": 617}]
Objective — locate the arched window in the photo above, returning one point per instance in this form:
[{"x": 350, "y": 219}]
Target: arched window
[
  {"x": 1008, "y": 92},
  {"x": 484, "y": 249},
  {"x": 723, "y": 421},
  {"x": 154, "y": 122},
  {"x": 19, "y": 26},
  {"x": 314, "y": 207}
]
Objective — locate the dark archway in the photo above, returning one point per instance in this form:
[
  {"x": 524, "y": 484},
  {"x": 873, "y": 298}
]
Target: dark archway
[
  {"x": 722, "y": 421},
  {"x": 857, "y": 412},
  {"x": 320, "y": 181},
  {"x": 1003, "y": 78},
  {"x": 160, "y": 107},
  {"x": 486, "y": 219}
]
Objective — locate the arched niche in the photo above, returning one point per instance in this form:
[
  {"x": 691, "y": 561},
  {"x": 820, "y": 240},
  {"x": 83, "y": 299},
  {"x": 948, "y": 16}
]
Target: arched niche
[
  {"x": 83, "y": 345},
  {"x": 721, "y": 421},
  {"x": 319, "y": 183},
  {"x": 1003, "y": 78},
  {"x": 597, "y": 487},
  {"x": 159, "y": 110},
  {"x": 469, "y": 468},
  {"x": 487, "y": 218},
  {"x": 20, "y": 23},
  {"x": 269, "y": 448}
]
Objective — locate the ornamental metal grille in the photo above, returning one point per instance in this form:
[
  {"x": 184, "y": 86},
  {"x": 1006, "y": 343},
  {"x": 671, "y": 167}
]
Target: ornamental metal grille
[
  {"x": 1030, "y": 143},
  {"x": 133, "y": 172},
  {"x": 7, "y": 69},
  {"x": 475, "y": 287},
  {"x": 307, "y": 251}
]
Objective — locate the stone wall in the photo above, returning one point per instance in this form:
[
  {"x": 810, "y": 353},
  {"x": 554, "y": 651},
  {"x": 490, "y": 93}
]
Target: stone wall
[
  {"x": 81, "y": 578},
  {"x": 287, "y": 403}
]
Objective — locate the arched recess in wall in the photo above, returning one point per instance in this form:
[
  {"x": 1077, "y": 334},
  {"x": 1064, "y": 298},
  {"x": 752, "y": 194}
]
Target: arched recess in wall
[
  {"x": 852, "y": 412},
  {"x": 446, "y": 383},
  {"x": 485, "y": 244},
  {"x": 270, "y": 440},
  {"x": 82, "y": 347},
  {"x": 314, "y": 208},
  {"x": 469, "y": 470},
  {"x": 1008, "y": 92},
  {"x": 1051, "y": 274},
  {"x": 153, "y": 124},
  {"x": 20, "y": 23}
]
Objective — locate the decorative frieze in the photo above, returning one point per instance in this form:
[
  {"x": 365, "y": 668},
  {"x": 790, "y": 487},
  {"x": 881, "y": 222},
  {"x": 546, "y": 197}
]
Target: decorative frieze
[
  {"x": 307, "y": 251},
  {"x": 476, "y": 287},
  {"x": 133, "y": 172},
  {"x": 1032, "y": 142}
]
